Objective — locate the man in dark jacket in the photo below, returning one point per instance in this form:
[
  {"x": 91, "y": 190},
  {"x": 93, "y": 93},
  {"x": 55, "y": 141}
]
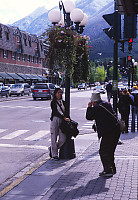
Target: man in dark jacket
[
  {"x": 109, "y": 91},
  {"x": 108, "y": 131}
]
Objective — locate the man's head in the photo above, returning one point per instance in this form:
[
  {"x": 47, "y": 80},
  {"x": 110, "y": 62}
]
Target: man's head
[{"x": 95, "y": 98}]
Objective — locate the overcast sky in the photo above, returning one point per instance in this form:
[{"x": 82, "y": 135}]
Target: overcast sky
[{"x": 13, "y": 10}]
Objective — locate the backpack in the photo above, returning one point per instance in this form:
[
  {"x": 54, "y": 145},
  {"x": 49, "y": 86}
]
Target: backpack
[{"x": 136, "y": 100}]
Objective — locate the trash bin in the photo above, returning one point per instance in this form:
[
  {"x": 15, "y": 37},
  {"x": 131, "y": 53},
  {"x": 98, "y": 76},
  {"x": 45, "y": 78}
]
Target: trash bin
[{"x": 67, "y": 151}]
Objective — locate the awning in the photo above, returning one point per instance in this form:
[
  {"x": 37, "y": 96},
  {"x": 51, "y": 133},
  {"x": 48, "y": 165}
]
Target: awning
[
  {"x": 5, "y": 76},
  {"x": 24, "y": 76},
  {"x": 15, "y": 76},
  {"x": 37, "y": 77},
  {"x": 32, "y": 77},
  {"x": 43, "y": 77}
]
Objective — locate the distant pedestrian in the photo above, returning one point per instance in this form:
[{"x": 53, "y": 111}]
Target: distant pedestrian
[
  {"x": 58, "y": 108},
  {"x": 108, "y": 131},
  {"x": 134, "y": 109},
  {"x": 109, "y": 91},
  {"x": 124, "y": 107}
]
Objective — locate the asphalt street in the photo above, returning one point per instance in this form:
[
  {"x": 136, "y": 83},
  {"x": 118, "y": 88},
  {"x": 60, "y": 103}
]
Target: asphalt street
[
  {"x": 26, "y": 172},
  {"x": 24, "y": 130}
]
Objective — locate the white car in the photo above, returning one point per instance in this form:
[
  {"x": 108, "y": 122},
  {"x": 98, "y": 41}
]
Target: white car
[
  {"x": 82, "y": 86},
  {"x": 100, "y": 89}
]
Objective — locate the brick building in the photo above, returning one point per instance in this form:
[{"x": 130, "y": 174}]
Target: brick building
[{"x": 21, "y": 53}]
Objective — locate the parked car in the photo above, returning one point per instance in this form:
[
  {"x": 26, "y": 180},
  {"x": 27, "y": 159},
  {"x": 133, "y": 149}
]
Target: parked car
[
  {"x": 1, "y": 84},
  {"x": 43, "y": 90},
  {"x": 4, "y": 91},
  {"x": 20, "y": 89},
  {"x": 82, "y": 86},
  {"x": 99, "y": 88}
]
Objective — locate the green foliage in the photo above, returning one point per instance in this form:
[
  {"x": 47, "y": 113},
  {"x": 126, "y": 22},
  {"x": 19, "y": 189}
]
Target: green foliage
[{"x": 67, "y": 50}]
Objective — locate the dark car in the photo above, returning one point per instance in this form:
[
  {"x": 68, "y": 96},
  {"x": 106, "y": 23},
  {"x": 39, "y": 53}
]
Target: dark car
[
  {"x": 4, "y": 91},
  {"x": 43, "y": 90}
]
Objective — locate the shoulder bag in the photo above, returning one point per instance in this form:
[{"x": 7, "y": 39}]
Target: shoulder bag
[
  {"x": 68, "y": 127},
  {"x": 119, "y": 121}
]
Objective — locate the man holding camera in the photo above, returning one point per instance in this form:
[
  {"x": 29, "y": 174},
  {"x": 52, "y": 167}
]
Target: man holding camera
[{"x": 108, "y": 131}]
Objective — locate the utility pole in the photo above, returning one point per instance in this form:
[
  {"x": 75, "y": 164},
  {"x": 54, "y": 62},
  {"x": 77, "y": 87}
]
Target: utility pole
[{"x": 114, "y": 33}]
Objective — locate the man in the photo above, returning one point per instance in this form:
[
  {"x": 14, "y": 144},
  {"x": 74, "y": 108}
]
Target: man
[
  {"x": 109, "y": 91},
  {"x": 108, "y": 131}
]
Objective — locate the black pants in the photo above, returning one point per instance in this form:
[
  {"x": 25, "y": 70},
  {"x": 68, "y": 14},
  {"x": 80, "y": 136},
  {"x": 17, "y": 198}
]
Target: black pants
[
  {"x": 107, "y": 149},
  {"x": 125, "y": 117}
]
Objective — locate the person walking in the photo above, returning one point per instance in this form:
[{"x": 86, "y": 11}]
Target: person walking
[
  {"x": 108, "y": 131},
  {"x": 57, "y": 115},
  {"x": 134, "y": 109},
  {"x": 109, "y": 91},
  {"x": 124, "y": 107}
]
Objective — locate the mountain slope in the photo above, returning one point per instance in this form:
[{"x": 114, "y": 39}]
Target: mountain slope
[{"x": 38, "y": 21}]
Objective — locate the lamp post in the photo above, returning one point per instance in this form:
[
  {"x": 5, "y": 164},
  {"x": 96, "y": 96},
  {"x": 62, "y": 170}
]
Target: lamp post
[{"x": 72, "y": 17}]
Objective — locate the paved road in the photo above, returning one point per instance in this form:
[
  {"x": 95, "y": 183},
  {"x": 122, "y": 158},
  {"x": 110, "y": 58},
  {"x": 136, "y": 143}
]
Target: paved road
[{"x": 24, "y": 130}]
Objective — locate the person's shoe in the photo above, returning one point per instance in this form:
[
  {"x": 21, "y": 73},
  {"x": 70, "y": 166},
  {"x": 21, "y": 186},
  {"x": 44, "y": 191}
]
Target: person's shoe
[
  {"x": 55, "y": 158},
  {"x": 106, "y": 174}
]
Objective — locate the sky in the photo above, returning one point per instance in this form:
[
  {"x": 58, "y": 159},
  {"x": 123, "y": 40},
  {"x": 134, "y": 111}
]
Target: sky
[{"x": 13, "y": 10}]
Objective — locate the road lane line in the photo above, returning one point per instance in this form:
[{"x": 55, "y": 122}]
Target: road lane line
[
  {"x": 24, "y": 146},
  {"x": 2, "y": 130},
  {"x": 14, "y": 134},
  {"x": 37, "y": 135}
]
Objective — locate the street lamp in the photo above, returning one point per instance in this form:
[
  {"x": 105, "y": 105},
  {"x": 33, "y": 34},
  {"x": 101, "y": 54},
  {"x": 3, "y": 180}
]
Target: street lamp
[{"x": 76, "y": 20}]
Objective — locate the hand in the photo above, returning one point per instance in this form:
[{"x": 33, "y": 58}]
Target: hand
[
  {"x": 90, "y": 104},
  {"x": 66, "y": 119}
]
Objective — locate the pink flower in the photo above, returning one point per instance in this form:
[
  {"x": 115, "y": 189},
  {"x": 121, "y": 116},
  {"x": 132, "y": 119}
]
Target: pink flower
[{"x": 62, "y": 31}]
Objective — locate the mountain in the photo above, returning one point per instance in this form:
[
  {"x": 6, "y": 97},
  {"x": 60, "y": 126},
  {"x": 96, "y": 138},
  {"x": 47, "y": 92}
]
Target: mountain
[{"x": 37, "y": 22}]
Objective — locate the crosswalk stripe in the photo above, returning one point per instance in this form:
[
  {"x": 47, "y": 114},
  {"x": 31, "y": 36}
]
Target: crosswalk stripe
[
  {"x": 2, "y": 130},
  {"x": 14, "y": 134},
  {"x": 24, "y": 146},
  {"x": 37, "y": 135}
]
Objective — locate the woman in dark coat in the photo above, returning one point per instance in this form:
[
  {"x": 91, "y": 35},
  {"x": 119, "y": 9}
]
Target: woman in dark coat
[
  {"x": 124, "y": 107},
  {"x": 57, "y": 115}
]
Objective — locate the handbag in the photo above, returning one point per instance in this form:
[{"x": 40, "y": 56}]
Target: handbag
[
  {"x": 119, "y": 121},
  {"x": 68, "y": 127}
]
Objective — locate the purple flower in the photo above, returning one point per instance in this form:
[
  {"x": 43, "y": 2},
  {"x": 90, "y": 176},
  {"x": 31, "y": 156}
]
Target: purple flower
[{"x": 62, "y": 31}]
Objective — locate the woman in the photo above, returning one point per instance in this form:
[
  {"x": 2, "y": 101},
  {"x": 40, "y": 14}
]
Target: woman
[
  {"x": 57, "y": 115},
  {"x": 124, "y": 107}
]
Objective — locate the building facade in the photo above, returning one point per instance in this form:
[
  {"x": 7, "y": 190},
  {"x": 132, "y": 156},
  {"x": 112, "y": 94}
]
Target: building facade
[{"x": 21, "y": 52}]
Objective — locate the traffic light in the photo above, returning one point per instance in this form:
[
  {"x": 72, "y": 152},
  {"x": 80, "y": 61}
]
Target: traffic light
[
  {"x": 130, "y": 44},
  {"x": 129, "y": 60},
  {"x": 114, "y": 20},
  {"x": 122, "y": 46},
  {"x": 130, "y": 26}
]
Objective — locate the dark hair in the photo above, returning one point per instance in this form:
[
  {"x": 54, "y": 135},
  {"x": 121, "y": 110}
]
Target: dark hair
[{"x": 55, "y": 92}]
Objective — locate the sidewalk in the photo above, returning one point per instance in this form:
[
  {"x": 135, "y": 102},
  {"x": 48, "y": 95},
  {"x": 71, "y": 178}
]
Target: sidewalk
[{"x": 79, "y": 178}]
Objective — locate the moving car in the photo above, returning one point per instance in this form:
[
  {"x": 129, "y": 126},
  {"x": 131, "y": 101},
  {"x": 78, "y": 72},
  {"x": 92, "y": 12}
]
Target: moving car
[
  {"x": 43, "y": 90},
  {"x": 4, "y": 91},
  {"x": 20, "y": 89},
  {"x": 99, "y": 88},
  {"x": 82, "y": 86}
]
